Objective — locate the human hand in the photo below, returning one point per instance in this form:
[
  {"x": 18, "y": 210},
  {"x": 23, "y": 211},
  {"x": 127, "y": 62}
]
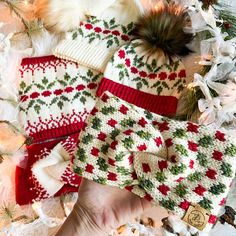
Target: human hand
[{"x": 100, "y": 209}]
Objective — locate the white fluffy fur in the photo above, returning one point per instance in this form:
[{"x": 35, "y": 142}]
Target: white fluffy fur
[{"x": 61, "y": 15}]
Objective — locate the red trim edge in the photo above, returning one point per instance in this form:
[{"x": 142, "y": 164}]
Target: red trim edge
[{"x": 162, "y": 105}]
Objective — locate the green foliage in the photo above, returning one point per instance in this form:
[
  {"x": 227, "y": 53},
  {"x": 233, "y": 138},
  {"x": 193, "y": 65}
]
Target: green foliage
[
  {"x": 195, "y": 177},
  {"x": 146, "y": 184},
  {"x": 102, "y": 164},
  {"x": 175, "y": 170},
  {"x": 128, "y": 142},
  {"x": 181, "y": 149},
  {"x": 226, "y": 169},
  {"x": 181, "y": 190},
  {"x": 144, "y": 135},
  {"x": 81, "y": 154},
  {"x": 206, "y": 204},
  {"x": 96, "y": 123},
  {"x": 231, "y": 150},
  {"x": 168, "y": 204},
  {"x": 87, "y": 139},
  {"x": 206, "y": 141},
  {"x": 160, "y": 176},
  {"x": 202, "y": 158},
  {"x": 217, "y": 189},
  {"x": 114, "y": 133}
]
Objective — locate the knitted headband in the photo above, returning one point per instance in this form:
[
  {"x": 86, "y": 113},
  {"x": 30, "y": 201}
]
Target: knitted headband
[
  {"x": 96, "y": 40},
  {"x": 182, "y": 166}
]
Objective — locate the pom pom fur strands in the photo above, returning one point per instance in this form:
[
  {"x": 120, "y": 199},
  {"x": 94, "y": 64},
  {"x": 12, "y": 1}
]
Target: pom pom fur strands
[
  {"x": 62, "y": 16},
  {"x": 163, "y": 28}
]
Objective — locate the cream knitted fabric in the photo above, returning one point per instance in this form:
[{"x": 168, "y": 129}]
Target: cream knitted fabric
[
  {"x": 171, "y": 163},
  {"x": 153, "y": 82},
  {"x": 96, "y": 40}
]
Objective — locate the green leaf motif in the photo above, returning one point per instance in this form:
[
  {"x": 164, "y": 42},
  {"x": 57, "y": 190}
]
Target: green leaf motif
[
  {"x": 148, "y": 115},
  {"x": 206, "y": 204},
  {"x": 83, "y": 100},
  {"x": 202, "y": 159},
  {"x": 108, "y": 110},
  {"x": 96, "y": 123},
  {"x": 100, "y": 180},
  {"x": 22, "y": 85},
  {"x": 176, "y": 170},
  {"x": 45, "y": 81},
  {"x": 197, "y": 176},
  {"x": 181, "y": 190},
  {"x": 168, "y": 204},
  {"x": 160, "y": 176},
  {"x": 74, "y": 35},
  {"x": 146, "y": 184},
  {"x": 114, "y": 133},
  {"x": 181, "y": 149},
  {"x": 127, "y": 123},
  {"x": 128, "y": 142},
  {"x": 120, "y": 156},
  {"x": 60, "y": 104},
  {"x": 78, "y": 170},
  {"x": 206, "y": 141},
  {"x": 81, "y": 154},
  {"x": 217, "y": 189},
  {"x": 102, "y": 164},
  {"x": 87, "y": 139},
  {"x": 144, "y": 135},
  {"x": 122, "y": 170},
  {"x": 226, "y": 169},
  {"x": 37, "y": 108},
  {"x": 231, "y": 150},
  {"x": 180, "y": 133},
  {"x": 105, "y": 148}
]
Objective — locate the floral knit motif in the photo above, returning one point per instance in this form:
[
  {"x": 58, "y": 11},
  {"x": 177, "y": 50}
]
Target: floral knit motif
[
  {"x": 110, "y": 32},
  {"x": 171, "y": 163},
  {"x": 55, "y": 93}
]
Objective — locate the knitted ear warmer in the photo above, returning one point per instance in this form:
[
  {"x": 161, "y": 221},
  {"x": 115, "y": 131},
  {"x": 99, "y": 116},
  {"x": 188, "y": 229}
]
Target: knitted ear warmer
[
  {"x": 96, "y": 40},
  {"x": 150, "y": 82},
  {"x": 56, "y": 97},
  {"x": 184, "y": 167}
]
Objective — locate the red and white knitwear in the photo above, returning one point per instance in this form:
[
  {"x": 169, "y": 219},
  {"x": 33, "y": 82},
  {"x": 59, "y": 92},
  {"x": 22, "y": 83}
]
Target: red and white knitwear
[{"x": 153, "y": 82}]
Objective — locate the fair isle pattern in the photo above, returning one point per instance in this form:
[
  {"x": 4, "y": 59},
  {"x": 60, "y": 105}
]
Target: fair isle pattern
[
  {"x": 68, "y": 177},
  {"x": 168, "y": 162},
  {"x": 94, "y": 42},
  {"x": 55, "y": 93},
  {"x": 130, "y": 67},
  {"x": 112, "y": 33}
]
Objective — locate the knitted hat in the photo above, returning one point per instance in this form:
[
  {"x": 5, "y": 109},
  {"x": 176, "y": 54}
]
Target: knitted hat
[
  {"x": 56, "y": 97},
  {"x": 96, "y": 40},
  {"x": 147, "y": 71},
  {"x": 184, "y": 167},
  {"x": 151, "y": 82}
]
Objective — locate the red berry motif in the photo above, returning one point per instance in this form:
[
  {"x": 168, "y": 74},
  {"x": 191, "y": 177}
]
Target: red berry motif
[
  {"x": 69, "y": 89},
  {"x": 142, "y": 122},
  {"x": 116, "y": 32},
  {"x": 192, "y": 128},
  {"x": 128, "y": 132},
  {"x": 158, "y": 141},
  {"x": 127, "y": 62},
  {"x": 220, "y": 136},
  {"x": 97, "y": 29},
  {"x": 142, "y": 148},
  {"x": 182, "y": 74},
  {"x": 169, "y": 142},
  {"x": 121, "y": 54},
  {"x": 58, "y": 92},
  {"x": 148, "y": 197},
  {"x": 123, "y": 109},
  {"x": 105, "y": 97},
  {"x": 34, "y": 95},
  {"x": 146, "y": 168},
  {"x": 172, "y": 76},
  {"x": 92, "y": 86},
  {"x": 88, "y": 26},
  {"x": 152, "y": 76},
  {"x": 89, "y": 168},
  {"x": 102, "y": 136},
  {"x": 131, "y": 159},
  {"x": 106, "y": 31},
  {"x": 162, "y": 165},
  {"x": 113, "y": 145},
  {"x": 125, "y": 37},
  {"x": 111, "y": 162},
  {"x": 95, "y": 152},
  {"x": 200, "y": 190},
  {"x": 134, "y": 70},
  {"x": 112, "y": 176},
  {"x": 217, "y": 155},
  {"x": 192, "y": 146},
  {"x": 94, "y": 111},
  {"x": 163, "y": 126},
  {"x": 80, "y": 87},
  {"x": 112, "y": 123},
  {"x": 143, "y": 74},
  {"x": 46, "y": 93},
  {"x": 163, "y": 76},
  {"x": 211, "y": 174},
  {"x": 164, "y": 189},
  {"x": 191, "y": 164},
  {"x": 184, "y": 205}
]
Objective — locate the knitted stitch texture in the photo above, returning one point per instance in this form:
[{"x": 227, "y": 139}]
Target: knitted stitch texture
[
  {"x": 171, "y": 163},
  {"x": 56, "y": 96},
  {"x": 153, "y": 82},
  {"x": 94, "y": 42}
]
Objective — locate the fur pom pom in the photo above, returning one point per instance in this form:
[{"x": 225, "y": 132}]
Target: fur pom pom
[
  {"x": 163, "y": 28},
  {"x": 208, "y": 3}
]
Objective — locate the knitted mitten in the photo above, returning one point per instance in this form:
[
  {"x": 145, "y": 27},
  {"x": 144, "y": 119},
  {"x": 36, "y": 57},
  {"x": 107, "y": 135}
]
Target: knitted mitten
[
  {"x": 96, "y": 40},
  {"x": 150, "y": 82},
  {"x": 184, "y": 167},
  {"x": 56, "y": 96}
]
